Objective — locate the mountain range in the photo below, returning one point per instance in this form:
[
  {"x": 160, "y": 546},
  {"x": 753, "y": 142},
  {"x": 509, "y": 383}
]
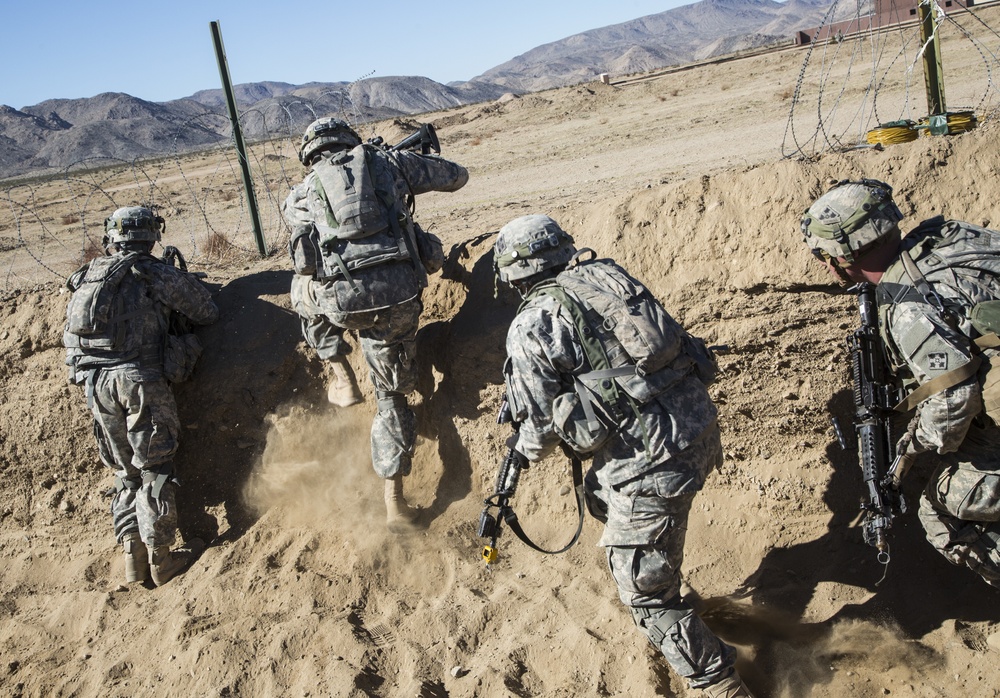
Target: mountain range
[{"x": 58, "y": 133}]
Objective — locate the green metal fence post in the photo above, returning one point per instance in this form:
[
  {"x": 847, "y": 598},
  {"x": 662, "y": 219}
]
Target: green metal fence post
[{"x": 234, "y": 118}]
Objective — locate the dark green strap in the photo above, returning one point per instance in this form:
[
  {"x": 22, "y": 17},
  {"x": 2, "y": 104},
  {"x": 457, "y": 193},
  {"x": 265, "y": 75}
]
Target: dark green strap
[
  {"x": 592, "y": 347},
  {"x": 338, "y": 260}
]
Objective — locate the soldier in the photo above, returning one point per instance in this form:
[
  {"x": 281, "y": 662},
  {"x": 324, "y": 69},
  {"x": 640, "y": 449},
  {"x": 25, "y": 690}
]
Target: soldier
[
  {"x": 626, "y": 388},
  {"x": 937, "y": 291},
  {"x": 361, "y": 264},
  {"x": 118, "y": 345}
]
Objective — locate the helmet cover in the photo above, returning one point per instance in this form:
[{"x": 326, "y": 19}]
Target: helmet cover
[
  {"x": 132, "y": 224},
  {"x": 850, "y": 218},
  {"x": 529, "y": 245},
  {"x": 324, "y": 134}
]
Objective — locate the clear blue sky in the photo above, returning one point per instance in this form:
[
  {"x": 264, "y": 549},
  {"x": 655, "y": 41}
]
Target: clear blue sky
[{"x": 162, "y": 50}]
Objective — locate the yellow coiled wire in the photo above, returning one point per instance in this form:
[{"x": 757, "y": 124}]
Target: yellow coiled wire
[
  {"x": 958, "y": 122},
  {"x": 891, "y": 135}
]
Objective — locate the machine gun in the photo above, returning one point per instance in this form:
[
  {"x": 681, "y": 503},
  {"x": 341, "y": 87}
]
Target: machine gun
[
  {"x": 506, "y": 484},
  {"x": 875, "y": 394},
  {"x": 426, "y": 138}
]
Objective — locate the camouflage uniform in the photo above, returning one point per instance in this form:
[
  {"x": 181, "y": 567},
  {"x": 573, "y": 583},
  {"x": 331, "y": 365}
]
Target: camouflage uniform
[
  {"x": 960, "y": 507},
  {"x": 381, "y": 303},
  {"x": 135, "y": 416},
  {"x": 641, "y": 483}
]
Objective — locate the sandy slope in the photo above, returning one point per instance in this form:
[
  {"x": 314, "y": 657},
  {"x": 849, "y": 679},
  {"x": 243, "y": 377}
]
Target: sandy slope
[{"x": 302, "y": 592}]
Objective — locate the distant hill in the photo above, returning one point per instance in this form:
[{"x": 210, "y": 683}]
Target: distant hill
[
  {"x": 62, "y": 132},
  {"x": 682, "y": 35}
]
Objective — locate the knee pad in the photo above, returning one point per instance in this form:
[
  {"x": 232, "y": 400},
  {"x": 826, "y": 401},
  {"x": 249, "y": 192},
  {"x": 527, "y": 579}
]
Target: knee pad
[
  {"x": 127, "y": 483},
  {"x": 158, "y": 476},
  {"x": 656, "y": 622},
  {"x": 390, "y": 400}
]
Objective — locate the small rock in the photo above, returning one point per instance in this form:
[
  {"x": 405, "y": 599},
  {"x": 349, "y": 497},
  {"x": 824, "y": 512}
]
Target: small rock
[
  {"x": 994, "y": 641},
  {"x": 67, "y": 506},
  {"x": 564, "y": 490},
  {"x": 458, "y": 671}
]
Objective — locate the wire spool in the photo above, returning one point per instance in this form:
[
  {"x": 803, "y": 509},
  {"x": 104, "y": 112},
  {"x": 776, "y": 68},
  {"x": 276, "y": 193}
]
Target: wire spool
[
  {"x": 961, "y": 121},
  {"x": 892, "y": 133},
  {"x": 958, "y": 122}
]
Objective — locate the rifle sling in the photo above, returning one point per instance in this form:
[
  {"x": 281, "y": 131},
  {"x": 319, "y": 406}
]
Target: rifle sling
[
  {"x": 942, "y": 382},
  {"x": 511, "y": 518}
]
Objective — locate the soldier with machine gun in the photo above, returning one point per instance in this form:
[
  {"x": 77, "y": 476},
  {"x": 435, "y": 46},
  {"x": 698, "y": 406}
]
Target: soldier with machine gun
[{"x": 930, "y": 313}]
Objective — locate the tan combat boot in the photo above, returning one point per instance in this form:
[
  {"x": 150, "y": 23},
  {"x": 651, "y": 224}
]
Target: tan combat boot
[
  {"x": 136, "y": 558},
  {"x": 343, "y": 390},
  {"x": 730, "y": 687},
  {"x": 165, "y": 564},
  {"x": 398, "y": 514}
]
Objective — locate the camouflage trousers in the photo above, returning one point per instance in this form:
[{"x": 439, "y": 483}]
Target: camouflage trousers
[
  {"x": 388, "y": 343},
  {"x": 645, "y": 525},
  {"x": 960, "y": 507},
  {"x": 136, "y": 426}
]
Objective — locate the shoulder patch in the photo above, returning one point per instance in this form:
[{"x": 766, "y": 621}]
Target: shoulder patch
[{"x": 937, "y": 361}]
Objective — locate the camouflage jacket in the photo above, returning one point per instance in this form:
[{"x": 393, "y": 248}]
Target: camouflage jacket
[
  {"x": 383, "y": 285},
  {"x": 153, "y": 290},
  {"x": 922, "y": 344},
  {"x": 544, "y": 354}
]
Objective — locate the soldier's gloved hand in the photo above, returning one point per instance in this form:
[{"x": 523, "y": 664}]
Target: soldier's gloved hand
[{"x": 907, "y": 450}]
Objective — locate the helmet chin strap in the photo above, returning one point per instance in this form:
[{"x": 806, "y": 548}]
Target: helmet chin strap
[{"x": 839, "y": 270}]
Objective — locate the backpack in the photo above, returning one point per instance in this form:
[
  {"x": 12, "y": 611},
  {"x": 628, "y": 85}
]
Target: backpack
[
  {"x": 634, "y": 348},
  {"x": 366, "y": 225},
  {"x": 967, "y": 258},
  {"x": 98, "y": 331}
]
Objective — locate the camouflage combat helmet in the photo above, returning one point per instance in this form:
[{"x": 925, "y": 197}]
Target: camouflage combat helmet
[
  {"x": 529, "y": 245},
  {"x": 132, "y": 224},
  {"x": 850, "y": 218},
  {"x": 324, "y": 134}
]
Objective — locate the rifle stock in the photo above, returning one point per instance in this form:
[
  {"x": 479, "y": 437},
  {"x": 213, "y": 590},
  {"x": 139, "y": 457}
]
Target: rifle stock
[
  {"x": 875, "y": 394},
  {"x": 425, "y": 137}
]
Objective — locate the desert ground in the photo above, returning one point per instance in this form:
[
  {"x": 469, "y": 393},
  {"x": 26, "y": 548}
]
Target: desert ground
[{"x": 302, "y": 591}]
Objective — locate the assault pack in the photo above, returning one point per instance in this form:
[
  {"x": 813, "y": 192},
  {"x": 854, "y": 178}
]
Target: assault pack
[
  {"x": 98, "y": 331},
  {"x": 634, "y": 348},
  {"x": 366, "y": 224},
  {"x": 966, "y": 258}
]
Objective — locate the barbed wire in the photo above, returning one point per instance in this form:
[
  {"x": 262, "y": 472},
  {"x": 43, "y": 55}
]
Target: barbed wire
[
  {"x": 866, "y": 74},
  {"x": 56, "y": 221}
]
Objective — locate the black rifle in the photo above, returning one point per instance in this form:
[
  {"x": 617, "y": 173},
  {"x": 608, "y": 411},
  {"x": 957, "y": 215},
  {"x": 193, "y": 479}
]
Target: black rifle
[
  {"x": 425, "y": 137},
  {"x": 506, "y": 485},
  {"x": 875, "y": 394}
]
